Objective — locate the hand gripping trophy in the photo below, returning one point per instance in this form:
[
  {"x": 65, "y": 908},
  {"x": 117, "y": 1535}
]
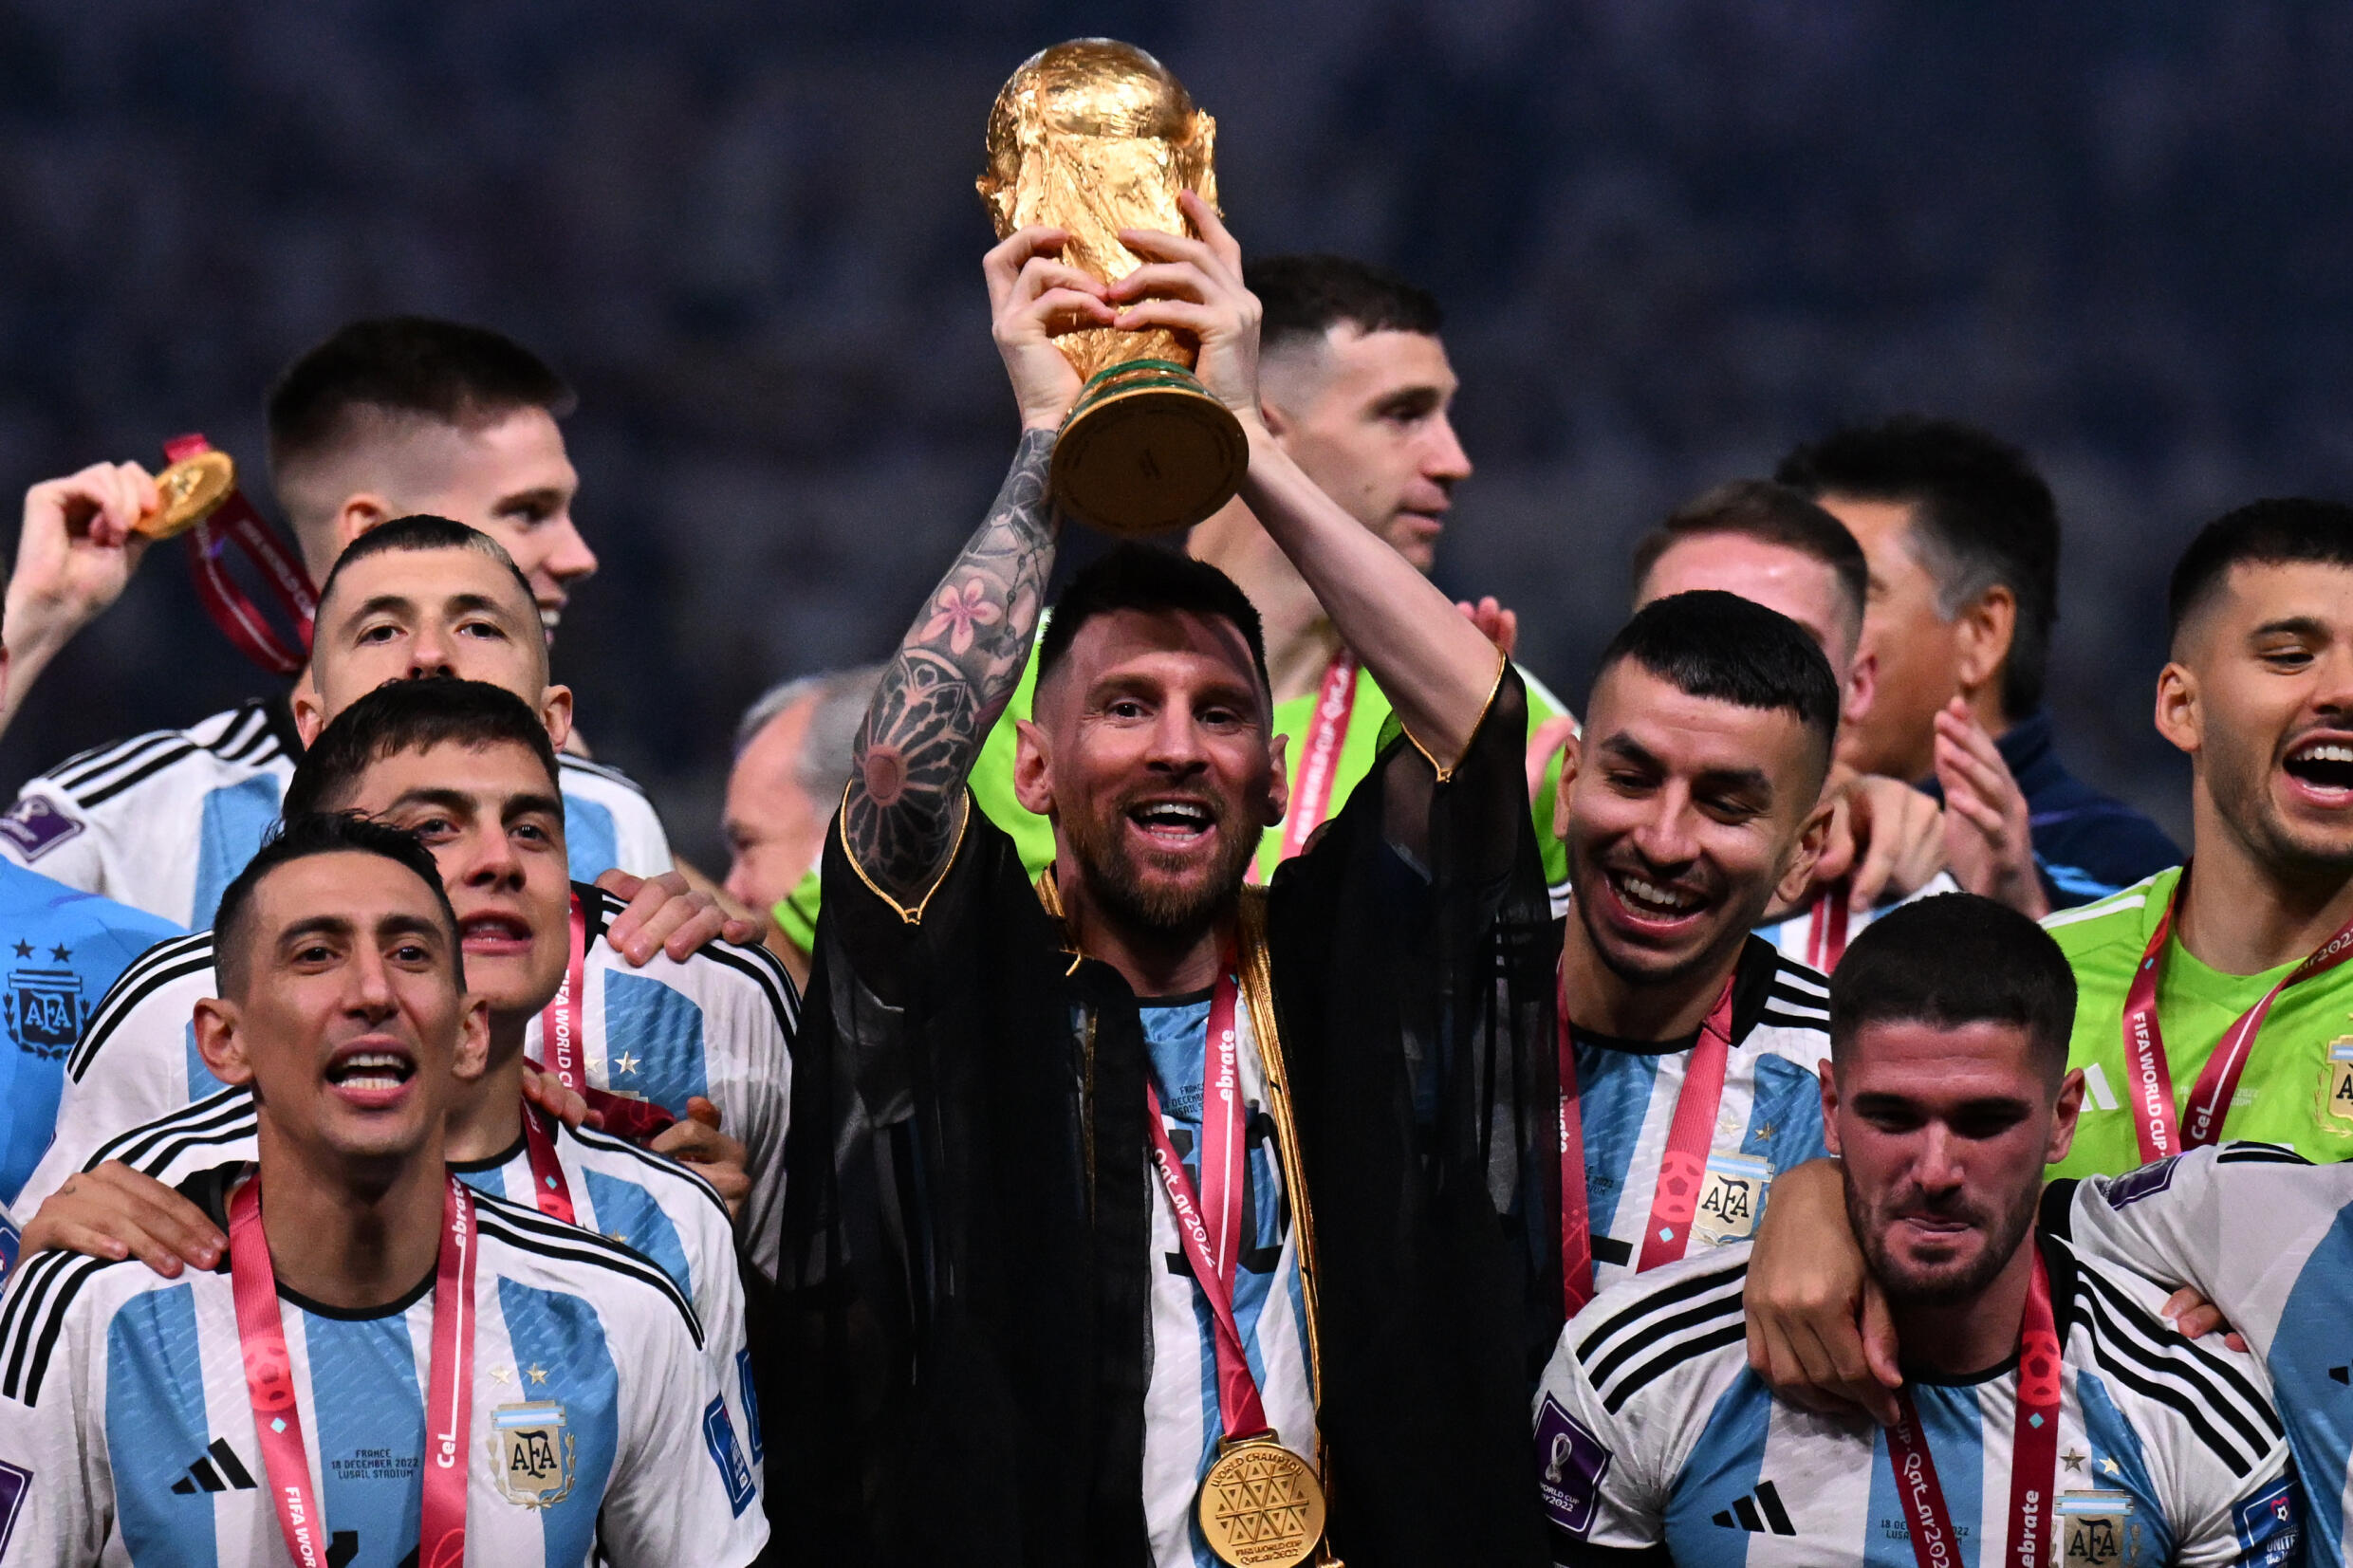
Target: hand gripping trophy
[{"x": 1093, "y": 136}]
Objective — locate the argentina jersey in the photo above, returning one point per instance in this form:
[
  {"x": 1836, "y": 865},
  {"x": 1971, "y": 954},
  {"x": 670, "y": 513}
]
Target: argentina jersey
[
  {"x": 2269, "y": 1240},
  {"x": 1653, "y": 1437},
  {"x": 165, "y": 820},
  {"x": 1817, "y": 935},
  {"x": 719, "y": 1024},
  {"x": 1182, "y": 1421},
  {"x": 597, "y": 1431},
  {"x": 59, "y": 951},
  {"x": 1770, "y": 1117},
  {"x": 651, "y": 1205}
]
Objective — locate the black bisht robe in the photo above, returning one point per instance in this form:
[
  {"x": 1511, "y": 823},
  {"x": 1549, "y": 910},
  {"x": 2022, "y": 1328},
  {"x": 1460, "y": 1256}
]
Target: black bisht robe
[{"x": 956, "y": 1364}]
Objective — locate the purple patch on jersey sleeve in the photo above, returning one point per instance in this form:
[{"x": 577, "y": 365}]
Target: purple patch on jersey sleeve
[
  {"x": 15, "y": 1486},
  {"x": 35, "y": 825},
  {"x": 2148, "y": 1181},
  {"x": 2267, "y": 1528},
  {"x": 1573, "y": 1463}
]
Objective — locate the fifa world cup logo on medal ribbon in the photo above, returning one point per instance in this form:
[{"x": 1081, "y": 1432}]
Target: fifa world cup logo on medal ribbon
[{"x": 1093, "y": 136}]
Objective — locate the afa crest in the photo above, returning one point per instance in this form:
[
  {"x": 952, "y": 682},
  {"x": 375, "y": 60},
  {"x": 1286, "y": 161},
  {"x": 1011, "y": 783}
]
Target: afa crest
[
  {"x": 531, "y": 1454},
  {"x": 45, "y": 1008}
]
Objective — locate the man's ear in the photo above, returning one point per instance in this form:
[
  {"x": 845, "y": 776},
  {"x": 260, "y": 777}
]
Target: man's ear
[
  {"x": 1983, "y": 634},
  {"x": 2063, "y": 1119},
  {"x": 221, "y": 1042},
  {"x": 474, "y": 1041},
  {"x": 356, "y": 515},
  {"x": 2178, "y": 718},
  {"x": 555, "y": 712},
  {"x": 1797, "y": 874},
  {"x": 1572, "y": 752},
  {"x": 1279, "y": 790},
  {"x": 1033, "y": 784},
  {"x": 1828, "y": 1072},
  {"x": 1863, "y": 687}
]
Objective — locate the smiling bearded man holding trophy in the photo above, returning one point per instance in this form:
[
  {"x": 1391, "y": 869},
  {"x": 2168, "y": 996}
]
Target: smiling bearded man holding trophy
[{"x": 1137, "y": 1216}]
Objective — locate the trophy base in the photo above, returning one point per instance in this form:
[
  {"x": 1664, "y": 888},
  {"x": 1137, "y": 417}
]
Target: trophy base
[{"x": 1146, "y": 450}]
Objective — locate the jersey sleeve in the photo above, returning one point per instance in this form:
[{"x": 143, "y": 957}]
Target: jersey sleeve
[
  {"x": 683, "y": 1492},
  {"x": 57, "y": 1499},
  {"x": 2233, "y": 1521},
  {"x": 1602, "y": 1477},
  {"x": 45, "y": 831},
  {"x": 1542, "y": 708},
  {"x": 762, "y": 1010},
  {"x": 642, "y": 845},
  {"x": 2164, "y": 1222}
]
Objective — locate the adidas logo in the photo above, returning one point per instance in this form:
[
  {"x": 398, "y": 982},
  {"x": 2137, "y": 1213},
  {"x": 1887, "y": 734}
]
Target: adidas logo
[
  {"x": 1758, "y": 1513},
  {"x": 230, "y": 1476}
]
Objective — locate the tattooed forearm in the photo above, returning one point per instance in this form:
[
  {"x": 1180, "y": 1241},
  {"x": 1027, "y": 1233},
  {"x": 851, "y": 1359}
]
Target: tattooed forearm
[{"x": 954, "y": 673}]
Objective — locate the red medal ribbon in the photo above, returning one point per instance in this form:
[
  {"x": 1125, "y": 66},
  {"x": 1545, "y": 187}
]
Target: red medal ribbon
[
  {"x": 1319, "y": 757},
  {"x": 1210, "y": 1226},
  {"x": 549, "y": 1188},
  {"x": 2033, "y": 1453},
  {"x": 1682, "y": 1168},
  {"x": 236, "y": 524},
  {"x": 559, "y": 1026},
  {"x": 2152, "y": 1086},
  {"x": 1825, "y": 934},
  {"x": 277, "y": 1417}
]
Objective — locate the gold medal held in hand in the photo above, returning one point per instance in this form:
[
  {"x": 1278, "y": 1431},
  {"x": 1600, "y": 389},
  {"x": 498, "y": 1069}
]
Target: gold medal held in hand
[
  {"x": 187, "y": 492},
  {"x": 1261, "y": 1505},
  {"x": 1093, "y": 136}
]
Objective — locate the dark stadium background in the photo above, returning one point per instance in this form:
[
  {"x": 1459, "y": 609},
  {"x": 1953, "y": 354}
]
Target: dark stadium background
[{"x": 1673, "y": 236}]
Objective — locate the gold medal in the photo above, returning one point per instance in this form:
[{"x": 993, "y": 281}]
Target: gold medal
[
  {"x": 187, "y": 492},
  {"x": 1261, "y": 1505},
  {"x": 2337, "y": 1086}
]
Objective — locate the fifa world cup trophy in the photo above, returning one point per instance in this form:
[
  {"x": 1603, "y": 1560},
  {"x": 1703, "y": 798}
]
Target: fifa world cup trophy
[{"x": 1093, "y": 136}]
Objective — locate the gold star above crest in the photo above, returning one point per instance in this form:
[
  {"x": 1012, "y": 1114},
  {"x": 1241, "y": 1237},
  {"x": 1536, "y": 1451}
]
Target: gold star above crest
[
  {"x": 1763, "y": 1130},
  {"x": 624, "y": 1063},
  {"x": 2073, "y": 1460},
  {"x": 536, "y": 1373},
  {"x": 502, "y": 1374},
  {"x": 2110, "y": 1467}
]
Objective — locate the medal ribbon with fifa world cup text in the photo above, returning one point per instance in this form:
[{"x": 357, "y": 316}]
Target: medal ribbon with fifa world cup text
[
  {"x": 1319, "y": 761},
  {"x": 1208, "y": 1221},
  {"x": 235, "y": 524},
  {"x": 2152, "y": 1086},
  {"x": 2033, "y": 1453},
  {"x": 1682, "y": 1166},
  {"x": 277, "y": 1417}
]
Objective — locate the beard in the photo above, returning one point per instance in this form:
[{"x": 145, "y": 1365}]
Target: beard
[
  {"x": 1118, "y": 880},
  {"x": 1910, "y": 1283},
  {"x": 2243, "y": 799}
]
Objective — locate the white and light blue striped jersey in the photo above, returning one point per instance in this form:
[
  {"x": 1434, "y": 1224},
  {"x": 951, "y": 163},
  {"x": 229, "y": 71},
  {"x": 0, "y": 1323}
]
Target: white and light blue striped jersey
[
  {"x": 1654, "y": 1437},
  {"x": 719, "y": 1024},
  {"x": 59, "y": 951},
  {"x": 2269, "y": 1239},
  {"x": 1802, "y": 937},
  {"x": 1182, "y": 1424},
  {"x": 1769, "y": 1120},
  {"x": 649, "y": 1204},
  {"x": 165, "y": 820},
  {"x": 127, "y": 1435}
]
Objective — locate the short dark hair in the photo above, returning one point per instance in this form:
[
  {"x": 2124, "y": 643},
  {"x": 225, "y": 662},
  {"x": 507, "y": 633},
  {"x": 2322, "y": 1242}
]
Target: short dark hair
[
  {"x": 298, "y": 837},
  {"x": 444, "y": 370},
  {"x": 1771, "y": 513},
  {"x": 1709, "y": 644},
  {"x": 1951, "y": 960},
  {"x": 2273, "y": 532},
  {"x": 1307, "y": 296},
  {"x": 1144, "y": 577},
  {"x": 412, "y": 715},
  {"x": 420, "y": 532},
  {"x": 1983, "y": 516}
]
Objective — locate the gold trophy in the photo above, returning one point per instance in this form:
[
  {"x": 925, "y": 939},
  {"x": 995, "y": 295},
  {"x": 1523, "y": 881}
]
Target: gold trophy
[{"x": 1093, "y": 136}]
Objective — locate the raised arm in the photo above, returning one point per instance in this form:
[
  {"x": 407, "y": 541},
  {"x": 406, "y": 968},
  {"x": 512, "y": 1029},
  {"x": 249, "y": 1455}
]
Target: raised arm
[
  {"x": 960, "y": 660},
  {"x": 1437, "y": 668}
]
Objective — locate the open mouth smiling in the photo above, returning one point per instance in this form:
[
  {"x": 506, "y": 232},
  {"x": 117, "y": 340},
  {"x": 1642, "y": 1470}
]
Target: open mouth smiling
[
  {"x": 2323, "y": 765},
  {"x": 1174, "y": 824}
]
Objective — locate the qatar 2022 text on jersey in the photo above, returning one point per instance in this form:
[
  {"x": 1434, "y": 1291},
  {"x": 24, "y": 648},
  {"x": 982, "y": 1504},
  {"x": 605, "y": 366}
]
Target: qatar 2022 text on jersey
[
  {"x": 719, "y": 1024},
  {"x": 597, "y": 1431},
  {"x": 649, "y": 1204},
  {"x": 1655, "y": 1442},
  {"x": 1769, "y": 1119},
  {"x": 164, "y": 821},
  {"x": 2269, "y": 1240},
  {"x": 60, "y": 951}
]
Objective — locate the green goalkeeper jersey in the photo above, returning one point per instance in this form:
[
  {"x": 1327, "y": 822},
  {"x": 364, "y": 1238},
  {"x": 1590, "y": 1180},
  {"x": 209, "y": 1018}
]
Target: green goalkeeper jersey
[
  {"x": 993, "y": 786},
  {"x": 2297, "y": 1086}
]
